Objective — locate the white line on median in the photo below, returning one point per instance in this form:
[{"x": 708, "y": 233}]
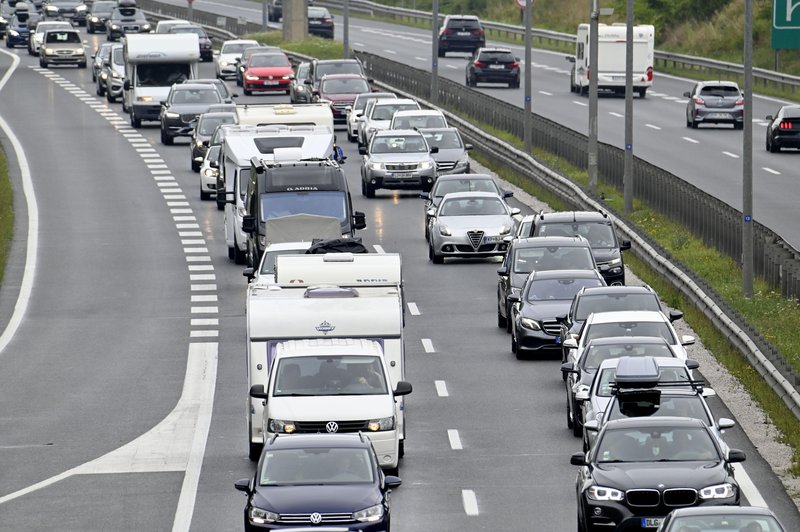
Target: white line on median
[
  {"x": 582, "y": 104},
  {"x": 748, "y": 488},
  {"x": 612, "y": 113},
  {"x": 379, "y": 248},
  {"x": 771, "y": 171},
  {"x": 413, "y": 309},
  {"x": 546, "y": 93},
  {"x": 421, "y": 58},
  {"x": 441, "y": 388},
  {"x": 427, "y": 344},
  {"x": 390, "y": 52},
  {"x": 455, "y": 444},
  {"x": 690, "y": 139},
  {"x": 470, "y": 502}
]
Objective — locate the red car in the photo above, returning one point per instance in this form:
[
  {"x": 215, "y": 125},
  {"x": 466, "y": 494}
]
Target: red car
[
  {"x": 271, "y": 72},
  {"x": 340, "y": 90}
]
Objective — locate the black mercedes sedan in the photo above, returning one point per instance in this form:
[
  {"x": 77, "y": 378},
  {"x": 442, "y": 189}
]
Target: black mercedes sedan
[
  {"x": 640, "y": 469},
  {"x": 306, "y": 480}
]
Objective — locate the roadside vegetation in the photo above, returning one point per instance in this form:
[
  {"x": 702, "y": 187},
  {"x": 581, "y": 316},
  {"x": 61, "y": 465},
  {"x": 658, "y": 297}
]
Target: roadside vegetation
[
  {"x": 6, "y": 213},
  {"x": 311, "y": 46}
]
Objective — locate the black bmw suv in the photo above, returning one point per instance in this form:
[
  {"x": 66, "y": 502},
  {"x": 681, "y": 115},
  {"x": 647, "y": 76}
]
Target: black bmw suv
[{"x": 461, "y": 33}]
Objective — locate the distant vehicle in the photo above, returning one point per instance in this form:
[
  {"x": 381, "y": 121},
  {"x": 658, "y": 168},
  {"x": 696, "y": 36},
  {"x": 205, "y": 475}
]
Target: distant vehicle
[
  {"x": 101, "y": 53},
  {"x": 229, "y": 54},
  {"x": 18, "y": 30},
  {"x": 715, "y": 102},
  {"x": 461, "y": 33},
  {"x": 223, "y": 90},
  {"x": 62, "y": 47},
  {"x": 164, "y": 26},
  {"x": 126, "y": 19},
  {"x": 326, "y": 67},
  {"x": 72, "y": 10},
  {"x": 452, "y": 156},
  {"x": 98, "y": 15},
  {"x": 743, "y": 518},
  {"x": 611, "y": 59},
  {"x": 417, "y": 119},
  {"x": 209, "y": 171},
  {"x": 299, "y": 92},
  {"x": 36, "y": 37},
  {"x": 783, "y": 130},
  {"x": 112, "y": 74},
  {"x": 320, "y": 22},
  {"x": 397, "y": 160},
  {"x": 493, "y": 65},
  {"x": 355, "y": 113},
  {"x": 340, "y": 90},
  {"x": 206, "y": 50},
  {"x": 378, "y": 115},
  {"x": 241, "y": 63},
  {"x": 207, "y": 123}
]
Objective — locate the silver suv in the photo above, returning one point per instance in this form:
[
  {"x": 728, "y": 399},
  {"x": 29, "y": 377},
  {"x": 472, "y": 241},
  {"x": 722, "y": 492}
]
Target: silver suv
[{"x": 397, "y": 159}]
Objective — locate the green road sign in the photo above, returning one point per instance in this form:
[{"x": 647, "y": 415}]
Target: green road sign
[{"x": 785, "y": 24}]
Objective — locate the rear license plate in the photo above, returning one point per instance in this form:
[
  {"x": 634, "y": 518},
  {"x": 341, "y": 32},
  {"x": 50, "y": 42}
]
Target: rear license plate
[
  {"x": 463, "y": 33},
  {"x": 651, "y": 522},
  {"x": 271, "y": 83},
  {"x": 496, "y": 67},
  {"x": 720, "y": 115},
  {"x": 315, "y": 22}
]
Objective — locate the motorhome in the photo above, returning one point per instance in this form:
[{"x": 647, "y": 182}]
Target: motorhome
[
  {"x": 241, "y": 144},
  {"x": 153, "y": 63},
  {"x": 267, "y": 114},
  {"x": 612, "y": 40},
  {"x": 332, "y": 296}
]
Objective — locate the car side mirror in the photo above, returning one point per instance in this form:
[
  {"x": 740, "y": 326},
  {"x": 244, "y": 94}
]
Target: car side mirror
[
  {"x": 502, "y": 271},
  {"x": 468, "y": 147},
  {"x": 391, "y": 482},
  {"x": 675, "y": 315},
  {"x": 591, "y": 425},
  {"x": 508, "y": 194},
  {"x": 687, "y": 340},
  {"x": 362, "y": 150},
  {"x": 307, "y": 82},
  {"x": 402, "y": 388},
  {"x": 570, "y": 343},
  {"x": 242, "y": 485},
  {"x": 578, "y": 459},
  {"x": 625, "y": 245},
  {"x": 359, "y": 220},
  {"x": 692, "y": 364},
  {"x": 249, "y": 273},
  {"x": 163, "y": 102},
  {"x": 127, "y": 85},
  {"x": 431, "y": 212},
  {"x": 198, "y": 159},
  {"x": 709, "y": 392},
  {"x": 725, "y": 423},
  {"x": 568, "y": 367},
  {"x": 581, "y": 396},
  {"x": 736, "y": 455},
  {"x": 214, "y": 164},
  {"x": 515, "y": 211},
  {"x": 435, "y": 149},
  {"x": 570, "y": 58},
  {"x": 257, "y": 391},
  {"x": 513, "y": 298},
  {"x": 687, "y": 94},
  {"x": 425, "y": 195},
  {"x": 769, "y": 117},
  {"x": 249, "y": 224}
]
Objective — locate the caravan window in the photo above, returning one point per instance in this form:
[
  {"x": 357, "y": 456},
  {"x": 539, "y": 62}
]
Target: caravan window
[{"x": 267, "y": 145}]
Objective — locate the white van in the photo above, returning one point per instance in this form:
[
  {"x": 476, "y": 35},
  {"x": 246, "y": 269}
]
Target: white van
[
  {"x": 333, "y": 385},
  {"x": 611, "y": 58},
  {"x": 267, "y": 114}
]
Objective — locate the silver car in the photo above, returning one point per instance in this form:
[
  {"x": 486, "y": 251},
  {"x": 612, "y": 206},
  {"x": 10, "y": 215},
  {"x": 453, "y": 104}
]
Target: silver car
[
  {"x": 37, "y": 36},
  {"x": 355, "y": 112},
  {"x": 112, "y": 74},
  {"x": 470, "y": 224},
  {"x": 397, "y": 159},
  {"x": 62, "y": 47},
  {"x": 715, "y": 102},
  {"x": 229, "y": 53},
  {"x": 379, "y": 115},
  {"x": 452, "y": 157}
]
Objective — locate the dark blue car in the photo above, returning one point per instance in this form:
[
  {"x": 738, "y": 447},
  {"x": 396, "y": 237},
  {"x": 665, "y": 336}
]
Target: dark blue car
[
  {"x": 329, "y": 480},
  {"x": 17, "y": 31}
]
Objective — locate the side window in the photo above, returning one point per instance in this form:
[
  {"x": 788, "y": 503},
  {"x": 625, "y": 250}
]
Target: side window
[{"x": 579, "y": 53}]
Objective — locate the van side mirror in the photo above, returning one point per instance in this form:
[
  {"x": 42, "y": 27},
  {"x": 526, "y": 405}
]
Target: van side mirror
[
  {"x": 359, "y": 220},
  {"x": 257, "y": 391},
  {"x": 249, "y": 273},
  {"x": 625, "y": 244},
  {"x": 249, "y": 224},
  {"x": 402, "y": 388},
  {"x": 578, "y": 459},
  {"x": 127, "y": 85}
]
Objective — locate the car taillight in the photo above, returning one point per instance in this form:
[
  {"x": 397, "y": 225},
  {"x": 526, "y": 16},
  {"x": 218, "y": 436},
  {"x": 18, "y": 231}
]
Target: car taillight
[
  {"x": 479, "y": 64},
  {"x": 740, "y": 101},
  {"x": 785, "y": 125},
  {"x": 699, "y": 101},
  {"x": 649, "y": 73},
  {"x": 479, "y": 33},
  {"x": 512, "y": 66},
  {"x": 446, "y": 31},
  {"x": 588, "y": 73},
  {"x": 326, "y": 20}
]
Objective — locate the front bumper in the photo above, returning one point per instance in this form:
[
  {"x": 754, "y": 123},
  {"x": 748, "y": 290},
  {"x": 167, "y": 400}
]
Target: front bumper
[
  {"x": 147, "y": 111},
  {"x": 461, "y": 246},
  {"x": 613, "y": 275},
  {"x": 536, "y": 340},
  {"x": 177, "y": 127},
  {"x": 414, "y": 180},
  {"x": 59, "y": 59},
  {"x": 96, "y": 25},
  {"x": 267, "y": 85}
]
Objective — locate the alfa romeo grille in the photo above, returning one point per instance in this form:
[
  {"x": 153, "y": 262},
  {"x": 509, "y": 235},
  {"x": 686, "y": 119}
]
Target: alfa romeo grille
[{"x": 475, "y": 238}]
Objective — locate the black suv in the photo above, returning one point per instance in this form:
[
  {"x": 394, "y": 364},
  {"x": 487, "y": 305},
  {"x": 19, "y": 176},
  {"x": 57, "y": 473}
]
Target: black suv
[
  {"x": 275, "y": 9},
  {"x": 461, "y": 33},
  {"x": 493, "y": 65},
  {"x": 597, "y": 228},
  {"x": 185, "y": 103}
]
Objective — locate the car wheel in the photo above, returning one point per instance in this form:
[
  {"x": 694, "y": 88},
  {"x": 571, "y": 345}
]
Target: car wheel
[
  {"x": 514, "y": 343},
  {"x": 254, "y": 451},
  {"x": 110, "y": 98},
  {"x": 570, "y": 423},
  {"x": 514, "y": 84},
  {"x": 577, "y": 426},
  {"x": 369, "y": 190},
  {"x": 231, "y": 253},
  {"x": 205, "y": 196},
  {"x": 502, "y": 321},
  {"x": 247, "y": 92},
  {"x": 238, "y": 82},
  {"x": 642, "y": 92},
  {"x": 738, "y": 125},
  {"x": 436, "y": 259},
  {"x": 30, "y": 51},
  {"x": 89, "y": 30},
  {"x": 401, "y": 452},
  {"x": 166, "y": 139},
  {"x": 195, "y": 167},
  {"x": 508, "y": 318},
  {"x": 772, "y": 147},
  {"x": 693, "y": 123},
  {"x": 239, "y": 256},
  {"x": 441, "y": 52},
  {"x": 42, "y": 63},
  {"x": 135, "y": 121}
]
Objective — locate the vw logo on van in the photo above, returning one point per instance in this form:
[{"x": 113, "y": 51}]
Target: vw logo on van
[
  {"x": 325, "y": 327},
  {"x": 332, "y": 426},
  {"x": 315, "y": 518}
]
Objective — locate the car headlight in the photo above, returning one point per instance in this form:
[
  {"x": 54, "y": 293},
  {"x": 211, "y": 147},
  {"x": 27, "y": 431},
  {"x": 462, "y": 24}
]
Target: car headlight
[
  {"x": 530, "y": 324},
  {"x": 115, "y": 26},
  {"x": 223, "y": 63},
  {"x": 38, "y": 38},
  {"x": 210, "y": 172},
  {"x": 384, "y": 423},
  {"x": 286, "y": 77},
  {"x": 51, "y": 9},
  {"x": 104, "y": 75},
  {"x": 116, "y": 75},
  {"x": 444, "y": 230},
  {"x": 260, "y": 517},
  {"x": 95, "y": 19},
  {"x": 144, "y": 98},
  {"x": 613, "y": 261},
  {"x": 376, "y": 166},
  {"x": 719, "y": 491},
  {"x": 599, "y": 493},
  {"x": 146, "y": 27},
  {"x": 277, "y": 426},
  {"x": 463, "y": 162},
  {"x": 171, "y": 115},
  {"x": 80, "y": 8},
  {"x": 369, "y": 515},
  {"x": 3, "y": 21},
  {"x": 13, "y": 33},
  {"x": 248, "y": 77},
  {"x": 48, "y": 51},
  {"x": 425, "y": 165},
  {"x": 198, "y": 143},
  {"x": 505, "y": 229}
]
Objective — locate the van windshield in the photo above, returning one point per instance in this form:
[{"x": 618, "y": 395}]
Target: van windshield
[
  {"x": 162, "y": 74},
  {"x": 329, "y": 375},
  {"x": 323, "y": 203}
]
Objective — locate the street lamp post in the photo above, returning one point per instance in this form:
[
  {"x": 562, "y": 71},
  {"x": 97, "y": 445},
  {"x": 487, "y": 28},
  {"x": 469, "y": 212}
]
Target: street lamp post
[
  {"x": 435, "y": 52},
  {"x": 627, "y": 179},
  {"x": 527, "y": 122},
  {"x": 593, "y": 28},
  {"x": 747, "y": 155},
  {"x": 346, "y": 30}
]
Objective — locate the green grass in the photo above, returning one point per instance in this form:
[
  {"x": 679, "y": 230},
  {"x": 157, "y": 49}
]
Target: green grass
[
  {"x": 6, "y": 213},
  {"x": 311, "y": 46}
]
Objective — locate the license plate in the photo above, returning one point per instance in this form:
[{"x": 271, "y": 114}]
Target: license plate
[
  {"x": 463, "y": 33},
  {"x": 400, "y": 175},
  {"x": 617, "y": 78},
  {"x": 491, "y": 239},
  {"x": 558, "y": 339},
  {"x": 651, "y": 522},
  {"x": 271, "y": 83},
  {"x": 720, "y": 115},
  {"x": 314, "y": 22},
  {"x": 496, "y": 67}
]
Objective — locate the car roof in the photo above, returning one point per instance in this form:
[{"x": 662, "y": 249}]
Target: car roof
[
  {"x": 626, "y": 315},
  {"x": 471, "y": 17},
  {"x": 418, "y": 112},
  {"x": 719, "y": 84},
  {"x": 563, "y": 274},
  {"x": 495, "y": 49},
  {"x": 618, "y": 289},
  {"x": 218, "y": 114},
  {"x": 551, "y": 241},
  {"x": 650, "y": 422},
  {"x": 377, "y": 95},
  {"x": 470, "y": 194},
  {"x": 395, "y": 101},
  {"x": 342, "y": 76},
  {"x": 436, "y": 130},
  {"x": 194, "y": 86},
  {"x": 661, "y": 362},
  {"x": 571, "y": 216},
  {"x": 326, "y": 61},
  {"x": 295, "y": 441},
  {"x": 283, "y": 246}
]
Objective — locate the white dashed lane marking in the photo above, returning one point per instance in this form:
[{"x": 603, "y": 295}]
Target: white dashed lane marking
[
  {"x": 651, "y": 126},
  {"x": 427, "y": 344},
  {"x": 771, "y": 171},
  {"x": 612, "y": 113},
  {"x": 731, "y": 155},
  {"x": 413, "y": 309},
  {"x": 690, "y": 139},
  {"x": 455, "y": 444},
  {"x": 470, "y": 502},
  {"x": 582, "y": 104},
  {"x": 441, "y": 388}
]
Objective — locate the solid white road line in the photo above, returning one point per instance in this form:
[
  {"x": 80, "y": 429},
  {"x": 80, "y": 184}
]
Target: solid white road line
[
  {"x": 770, "y": 170},
  {"x": 582, "y": 104},
  {"x": 690, "y": 139},
  {"x": 427, "y": 344},
  {"x": 748, "y": 488},
  {"x": 470, "y": 502},
  {"x": 546, "y": 93},
  {"x": 731, "y": 155},
  {"x": 392, "y": 52},
  {"x": 612, "y": 113},
  {"x": 455, "y": 443},
  {"x": 413, "y": 309},
  {"x": 441, "y": 388},
  {"x": 205, "y": 310}
]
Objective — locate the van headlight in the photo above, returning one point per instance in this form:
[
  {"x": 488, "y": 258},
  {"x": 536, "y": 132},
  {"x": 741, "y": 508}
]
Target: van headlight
[
  {"x": 278, "y": 426},
  {"x": 599, "y": 493},
  {"x": 223, "y": 63},
  {"x": 369, "y": 515},
  {"x": 261, "y": 517},
  {"x": 384, "y": 423},
  {"x": 719, "y": 491},
  {"x": 144, "y": 98},
  {"x": 116, "y": 75},
  {"x": 115, "y": 26}
]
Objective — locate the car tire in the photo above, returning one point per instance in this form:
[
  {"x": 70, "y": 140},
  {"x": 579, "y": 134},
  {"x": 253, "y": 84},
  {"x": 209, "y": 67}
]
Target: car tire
[
  {"x": 508, "y": 318},
  {"x": 42, "y": 63},
  {"x": 30, "y": 52},
  {"x": 369, "y": 190},
  {"x": 82, "y": 65},
  {"x": 577, "y": 426},
  {"x": 570, "y": 423},
  {"x": 231, "y": 252},
  {"x": 441, "y": 53},
  {"x": 136, "y": 122},
  {"x": 239, "y": 256},
  {"x": 514, "y": 343},
  {"x": 89, "y": 30},
  {"x": 738, "y": 125},
  {"x": 166, "y": 139},
  {"x": 238, "y": 82},
  {"x": 205, "y": 196},
  {"x": 401, "y": 450},
  {"x": 693, "y": 123},
  {"x": 642, "y": 92},
  {"x": 502, "y": 321},
  {"x": 247, "y": 92},
  {"x": 254, "y": 451},
  {"x": 434, "y": 258},
  {"x": 110, "y": 98},
  {"x": 99, "y": 90},
  {"x": 513, "y": 85},
  {"x": 772, "y": 147}
]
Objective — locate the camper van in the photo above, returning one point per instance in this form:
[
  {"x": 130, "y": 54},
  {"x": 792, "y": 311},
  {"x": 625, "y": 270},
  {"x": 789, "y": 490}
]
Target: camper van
[
  {"x": 267, "y": 114},
  {"x": 611, "y": 59},
  {"x": 326, "y": 296},
  {"x": 153, "y": 63}
]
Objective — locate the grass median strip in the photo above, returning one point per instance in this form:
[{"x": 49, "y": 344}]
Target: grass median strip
[
  {"x": 6, "y": 213},
  {"x": 311, "y": 46}
]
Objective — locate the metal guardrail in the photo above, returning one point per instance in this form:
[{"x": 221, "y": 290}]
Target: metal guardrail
[
  {"x": 706, "y": 67},
  {"x": 778, "y": 261}
]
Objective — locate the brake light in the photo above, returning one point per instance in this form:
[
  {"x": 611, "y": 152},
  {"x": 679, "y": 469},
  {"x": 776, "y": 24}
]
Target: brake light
[
  {"x": 699, "y": 101},
  {"x": 446, "y": 31},
  {"x": 479, "y": 64},
  {"x": 327, "y": 20},
  {"x": 512, "y": 66},
  {"x": 649, "y": 73},
  {"x": 740, "y": 101},
  {"x": 785, "y": 125},
  {"x": 588, "y": 73},
  {"x": 479, "y": 33}
]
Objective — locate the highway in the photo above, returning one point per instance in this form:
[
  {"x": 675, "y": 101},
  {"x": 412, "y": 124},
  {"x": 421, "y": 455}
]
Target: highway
[{"x": 123, "y": 387}]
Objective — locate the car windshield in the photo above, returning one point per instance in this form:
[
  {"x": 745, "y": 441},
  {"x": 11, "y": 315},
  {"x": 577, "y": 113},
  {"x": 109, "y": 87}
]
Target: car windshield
[
  {"x": 527, "y": 260},
  {"x": 446, "y": 186},
  {"x": 599, "y": 234},
  {"x": 418, "y": 121},
  {"x": 188, "y": 29},
  {"x": 234, "y": 47},
  {"x": 386, "y": 111},
  {"x": 590, "y": 303},
  {"x": 398, "y": 144},
  {"x": 472, "y": 207},
  {"x": 720, "y": 90},
  {"x": 671, "y": 405},
  {"x": 329, "y": 375},
  {"x": 445, "y": 140},
  {"x": 790, "y": 112},
  {"x": 318, "y": 12},
  {"x": 196, "y": 96},
  {"x": 725, "y": 522},
  {"x": 209, "y": 124},
  {"x": 271, "y": 256},
  {"x": 302, "y": 71},
  {"x": 344, "y": 86},
  {"x": 325, "y": 69},
  {"x": 607, "y": 377},
  {"x": 62, "y": 37},
  {"x": 361, "y": 101},
  {"x": 557, "y": 289},
  {"x": 213, "y": 153},
  {"x": 269, "y": 60},
  {"x": 323, "y": 203},
  {"x": 316, "y": 465},
  {"x": 657, "y": 329},
  {"x": 659, "y": 444},
  {"x": 596, "y": 354}
]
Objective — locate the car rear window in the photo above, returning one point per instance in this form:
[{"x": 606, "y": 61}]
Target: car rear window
[
  {"x": 497, "y": 57},
  {"x": 719, "y": 90},
  {"x": 463, "y": 23},
  {"x": 791, "y": 112}
]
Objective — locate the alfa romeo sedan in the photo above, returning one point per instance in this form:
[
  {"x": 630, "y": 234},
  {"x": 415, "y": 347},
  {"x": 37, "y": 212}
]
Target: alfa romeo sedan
[{"x": 470, "y": 224}]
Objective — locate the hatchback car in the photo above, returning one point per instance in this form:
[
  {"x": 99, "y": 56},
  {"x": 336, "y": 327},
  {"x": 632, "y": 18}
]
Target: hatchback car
[
  {"x": 546, "y": 295},
  {"x": 184, "y": 104},
  {"x": 715, "y": 102},
  {"x": 461, "y": 33},
  {"x": 206, "y": 46},
  {"x": 354, "y": 114},
  {"x": 299, "y": 92},
  {"x": 229, "y": 53},
  {"x": 267, "y": 72},
  {"x": 241, "y": 63},
  {"x": 538, "y": 253},
  {"x": 99, "y": 14},
  {"x": 643, "y": 468},
  {"x": 741, "y": 519},
  {"x": 36, "y": 37},
  {"x": 320, "y": 22},
  {"x": 72, "y": 10},
  {"x": 470, "y": 224},
  {"x": 112, "y": 74},
  {"x": 378, "y": 115},
  {"x": 206, "y": 125},
  {"x": 397, "y": 160},
  {"x": 340, "y": 90},
  {"x": 318, "y": 479},
  {"x": 326, "y": 67},
  {"x": 453, "y": 156},
  {"x": 493, "y": 65},
  {"x": 62, "y": 47},
  {"x": 783, "y": 130}
]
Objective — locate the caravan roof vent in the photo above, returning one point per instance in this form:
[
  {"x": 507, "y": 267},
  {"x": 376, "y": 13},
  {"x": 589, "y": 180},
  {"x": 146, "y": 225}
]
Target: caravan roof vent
[{"x": 330, "y": 292}]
